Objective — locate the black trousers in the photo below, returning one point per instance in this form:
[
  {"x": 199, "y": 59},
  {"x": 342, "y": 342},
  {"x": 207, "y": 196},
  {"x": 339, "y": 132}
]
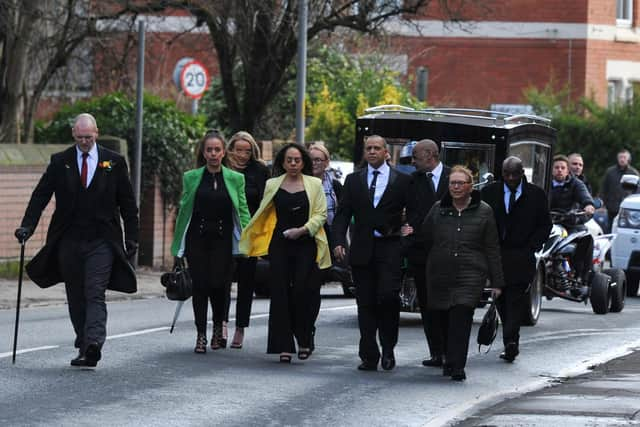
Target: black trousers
[
  {"x": 210, "y": 264},
  {"x": 86, "y": 269},
  {"x": 431, "y": 322},
  {"x": 511, "y": 306},
  {"x": 293, "y": 274},
  {"x": 246, "y": 268},
  {"x": 377, "y": 295},
  {"x": 456, "y": 323}
]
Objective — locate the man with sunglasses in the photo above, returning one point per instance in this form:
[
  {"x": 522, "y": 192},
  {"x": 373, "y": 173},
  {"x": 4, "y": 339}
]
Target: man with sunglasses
[
  {"x": 428, "y": 185},
  {"x": 522, "y": 217},
  {"x": 84, "y": 247}
]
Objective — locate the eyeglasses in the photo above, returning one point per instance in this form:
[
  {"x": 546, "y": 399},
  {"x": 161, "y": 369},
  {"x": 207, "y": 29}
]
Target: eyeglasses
[
  {"x": 318, "y": 160},
  {"x": 458, "y": 183}
]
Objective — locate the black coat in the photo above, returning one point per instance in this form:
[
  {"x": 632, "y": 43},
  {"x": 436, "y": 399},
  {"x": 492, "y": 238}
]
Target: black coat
[
  {"x": 113, "y": 198},
  {"x": 386, "y": 218},
  {"x": 572, "y": 194},
  {"x": 522, "y": 232},
  {"x": 611, "y": 190},
  {"x": 463, "y": 253},
  {"x": 421, "y": 200}
]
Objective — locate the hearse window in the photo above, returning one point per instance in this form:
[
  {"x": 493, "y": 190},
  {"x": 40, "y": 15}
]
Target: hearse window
[
  {"x": 477, "y": 157},
  {"x": 534, "y": 156}
]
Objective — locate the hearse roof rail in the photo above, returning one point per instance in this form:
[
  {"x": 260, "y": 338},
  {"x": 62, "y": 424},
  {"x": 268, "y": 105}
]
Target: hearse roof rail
[{"x": 497, "y": 118}]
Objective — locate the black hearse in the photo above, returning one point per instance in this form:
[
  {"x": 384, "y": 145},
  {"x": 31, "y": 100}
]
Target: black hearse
[{"x": 478, "y": 139}]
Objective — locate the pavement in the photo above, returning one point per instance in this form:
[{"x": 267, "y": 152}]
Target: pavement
[{"x": 607, "y": 395}]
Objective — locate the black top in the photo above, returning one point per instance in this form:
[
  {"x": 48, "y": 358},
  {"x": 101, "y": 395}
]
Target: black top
[
  {"x": 292, "y": 209},
  {"x": 212, "y": 208},
  {"x": 255, "y": 177}
]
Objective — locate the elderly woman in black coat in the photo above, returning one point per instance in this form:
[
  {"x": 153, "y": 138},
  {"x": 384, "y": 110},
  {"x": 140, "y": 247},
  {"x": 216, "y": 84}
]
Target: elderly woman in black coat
[{"x": 463, "y": 252}]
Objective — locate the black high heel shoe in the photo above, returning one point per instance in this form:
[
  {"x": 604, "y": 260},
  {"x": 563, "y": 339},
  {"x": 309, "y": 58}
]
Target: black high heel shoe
[{"x": 303, "y": 354}]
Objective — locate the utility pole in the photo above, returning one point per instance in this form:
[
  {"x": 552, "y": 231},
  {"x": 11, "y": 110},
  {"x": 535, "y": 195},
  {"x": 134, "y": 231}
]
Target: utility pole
[{"x": 302, "y": 70}]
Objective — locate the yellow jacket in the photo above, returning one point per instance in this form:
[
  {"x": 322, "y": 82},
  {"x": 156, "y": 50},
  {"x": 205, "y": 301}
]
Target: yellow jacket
[{"x": 256, "y": 236}]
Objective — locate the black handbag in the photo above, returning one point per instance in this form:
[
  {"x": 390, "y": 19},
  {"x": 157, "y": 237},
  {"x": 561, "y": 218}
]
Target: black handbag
[
  {"x": 177, "y": 283},
  {"x": 489, "y": 327}
]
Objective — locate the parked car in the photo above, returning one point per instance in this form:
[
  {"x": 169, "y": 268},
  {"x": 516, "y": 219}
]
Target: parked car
[{"x": 625, "y": 249}]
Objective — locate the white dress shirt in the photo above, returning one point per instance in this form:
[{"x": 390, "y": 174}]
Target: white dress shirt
[
  {"x": 507, "y": 195},
  {"x": 436, "y": 173},
  {"x": 381, "y": 182},
  {"x": 92, "y": 162}
]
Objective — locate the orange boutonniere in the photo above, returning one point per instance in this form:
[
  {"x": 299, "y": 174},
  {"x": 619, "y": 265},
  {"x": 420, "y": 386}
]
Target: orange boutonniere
[{"x": 107, "y": 165}]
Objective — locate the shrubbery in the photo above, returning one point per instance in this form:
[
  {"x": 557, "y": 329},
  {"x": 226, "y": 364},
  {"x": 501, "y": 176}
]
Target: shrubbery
[{"x": 167, "y": 142}]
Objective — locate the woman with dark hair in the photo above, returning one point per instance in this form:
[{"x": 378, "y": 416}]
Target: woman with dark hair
[
  {"x": 288, "y": 226},
  {"x": 243, "y": 156},
  {"x": 463, "y": 252},
  {"x": 212, "y": 212}
]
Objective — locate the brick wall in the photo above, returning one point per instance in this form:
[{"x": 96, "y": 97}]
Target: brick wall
[
  {"x": 519, "y": 10},
  {"x": 479, "y": 72},
  {"x": 156, "y": 229},
  {"x": 16, "y": 185}
]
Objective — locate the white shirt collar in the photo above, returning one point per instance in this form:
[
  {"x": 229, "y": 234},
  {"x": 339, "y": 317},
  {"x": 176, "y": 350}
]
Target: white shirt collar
[
  {"x": 383, "y": 169},
  {"x": 437, "y": 171},
  {"x": 518, "y": 188},
  {"x": 93, "y": 153}
]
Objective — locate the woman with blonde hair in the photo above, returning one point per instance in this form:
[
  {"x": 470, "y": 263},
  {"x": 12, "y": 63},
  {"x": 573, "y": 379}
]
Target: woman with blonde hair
[
  {"x": 463, "y": 252},
  {"x": 243, "y": 156}
]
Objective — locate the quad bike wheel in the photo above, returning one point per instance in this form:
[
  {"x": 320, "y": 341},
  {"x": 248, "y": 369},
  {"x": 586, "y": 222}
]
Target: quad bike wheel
[
  {"x": 534, "y": 299},
  {"x": 617, "y": 289},
  {"x": 600, "y": 296}
]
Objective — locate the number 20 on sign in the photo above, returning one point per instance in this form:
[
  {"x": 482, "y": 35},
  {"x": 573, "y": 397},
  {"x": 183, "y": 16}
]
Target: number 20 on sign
[{"x": 194, "y": 79}]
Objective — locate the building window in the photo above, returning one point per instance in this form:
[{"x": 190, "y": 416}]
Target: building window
[
  {"x": 614, "y": 92},
  {"x": 624, "y": 12}
]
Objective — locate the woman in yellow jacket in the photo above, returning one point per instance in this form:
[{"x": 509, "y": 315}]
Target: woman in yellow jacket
[{"x": 288, "y": 226}]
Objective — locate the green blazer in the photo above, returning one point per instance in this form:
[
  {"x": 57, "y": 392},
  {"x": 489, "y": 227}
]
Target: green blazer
[{"x": 234, "y": 182}]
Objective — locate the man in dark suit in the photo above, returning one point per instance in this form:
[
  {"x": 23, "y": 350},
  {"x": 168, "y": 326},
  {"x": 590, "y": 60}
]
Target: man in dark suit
[
  {"x": 429, "y": 183},
  {"x": 522, "y": 217},
  {"x": 84, "y": 247},
  {"x": 375, "y": 197}
]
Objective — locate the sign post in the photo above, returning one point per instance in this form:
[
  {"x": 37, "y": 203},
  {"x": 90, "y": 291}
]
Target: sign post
[{"x": 194, "y": 81}]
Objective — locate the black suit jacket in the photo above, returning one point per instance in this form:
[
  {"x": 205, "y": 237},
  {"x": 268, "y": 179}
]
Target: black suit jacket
[
  {"x": 421, "y": 199},
  {"x": 386, "y": 218},
  {"x": 522, "y": 232},
  {"x": 113, "y": 198}
]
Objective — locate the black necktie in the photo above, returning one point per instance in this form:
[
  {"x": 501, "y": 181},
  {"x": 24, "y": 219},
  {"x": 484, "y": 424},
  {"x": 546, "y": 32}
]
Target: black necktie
[
  {"x": 430, "y": 182},
  {"x": 372, "y": 187},
  {"x": 512, "y": 200}
]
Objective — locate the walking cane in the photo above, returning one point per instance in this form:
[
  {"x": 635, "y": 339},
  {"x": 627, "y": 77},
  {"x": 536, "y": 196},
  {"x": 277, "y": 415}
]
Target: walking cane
[
  {"x": 175, "y": 315},
  {"x": 15, "y": 333}
]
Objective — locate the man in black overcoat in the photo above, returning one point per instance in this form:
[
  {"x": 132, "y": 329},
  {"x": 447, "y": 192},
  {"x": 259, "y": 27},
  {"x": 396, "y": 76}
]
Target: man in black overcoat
[
  {"x": 428, "y": 184},
  {"x": 375, "y": 197},
  {"x": 84, "y": 246},
  {"x": 522, "y": 217}
]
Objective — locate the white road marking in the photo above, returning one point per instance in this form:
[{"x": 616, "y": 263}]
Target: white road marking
[
  {"x": 28, "y": 350},
  {"x": 152, "y": 330}
]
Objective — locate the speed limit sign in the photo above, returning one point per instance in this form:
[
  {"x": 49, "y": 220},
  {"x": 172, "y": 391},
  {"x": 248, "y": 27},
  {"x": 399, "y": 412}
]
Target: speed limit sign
[{"x": 194, "y": 79}]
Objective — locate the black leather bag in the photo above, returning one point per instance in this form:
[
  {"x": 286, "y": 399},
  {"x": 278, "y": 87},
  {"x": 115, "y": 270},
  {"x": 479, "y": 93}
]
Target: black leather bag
[
  {"x": 177, "y": 283},
  {"x": 489, "y": 327}
]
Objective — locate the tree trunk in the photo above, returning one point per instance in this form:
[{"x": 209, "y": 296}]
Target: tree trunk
[{"x": 18, "y": 45}]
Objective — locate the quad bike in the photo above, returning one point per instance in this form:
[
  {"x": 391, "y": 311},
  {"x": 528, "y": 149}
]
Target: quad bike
[{"x": 556, "y": 274}]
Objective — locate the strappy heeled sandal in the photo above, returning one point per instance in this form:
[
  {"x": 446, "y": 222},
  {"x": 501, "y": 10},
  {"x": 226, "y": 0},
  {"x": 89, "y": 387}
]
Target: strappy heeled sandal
[
  {"x": 285, "y": 358},
  {"x": 201, "y": 344},
  {"x": 238, "y": 337}
]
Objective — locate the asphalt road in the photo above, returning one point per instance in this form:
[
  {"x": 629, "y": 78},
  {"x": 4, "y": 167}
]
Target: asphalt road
[{"x": 149, "y": 377}]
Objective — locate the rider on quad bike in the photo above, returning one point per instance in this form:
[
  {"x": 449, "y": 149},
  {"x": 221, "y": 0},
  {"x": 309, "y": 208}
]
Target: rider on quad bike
[{"x": 568, "y": 193}]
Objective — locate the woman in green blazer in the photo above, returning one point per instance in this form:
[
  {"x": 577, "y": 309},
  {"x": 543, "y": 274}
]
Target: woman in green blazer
[{"x": 212, "y": 212}]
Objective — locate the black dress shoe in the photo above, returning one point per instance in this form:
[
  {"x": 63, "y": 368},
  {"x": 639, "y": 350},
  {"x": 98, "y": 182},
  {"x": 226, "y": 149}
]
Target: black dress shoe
[
  {"x": 510, "y": 352},
  {"x": 80, "y": 360},
  {"x": 366, "y": 366},
  {"x": 388, "y": 362},
  {"x": 458, "y": 375},
  {"x": 435, "y": 361},
  {"x": 92, "y": 354}
]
